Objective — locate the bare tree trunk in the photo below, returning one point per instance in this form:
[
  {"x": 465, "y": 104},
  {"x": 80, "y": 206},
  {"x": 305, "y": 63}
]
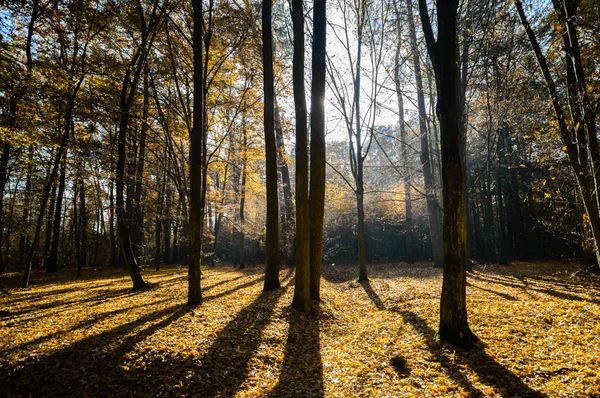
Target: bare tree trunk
[
  {"x": 426, "y": 163},
  {"x": 82, "y": 260},
  {"x": 52, "y": 265},
  {"x": 197, "y": 170},
  {"x": 454, "y": 326},
  {"x": 168, "y": 259},
  {"x": 272, "y": 227},
  {"x": 287, "y": 203},
  {"x": 317, "y": 147},
  {"x": 49, "y": 227},
  {"x": 138, "y": 215},
  {"x": 408, "y": 245},
  {"x": 301, "y": 301},
  {"x": 502, "y": 247},
  {"x": 6, "y": 148}
]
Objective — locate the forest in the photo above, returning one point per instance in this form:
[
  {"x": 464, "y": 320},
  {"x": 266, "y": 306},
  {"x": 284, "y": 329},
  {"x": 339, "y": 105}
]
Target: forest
[{"x": 343, "y": 198}]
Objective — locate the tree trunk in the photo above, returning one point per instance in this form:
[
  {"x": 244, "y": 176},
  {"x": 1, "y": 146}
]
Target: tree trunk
[
  {"x": 44, "y": 204},
  {"x": 52, "y": 265},
  {"x": 408, "y": 245},
  {"x": 287, "y": 203},
  {"x": 82, "y": 261},
  {"x": 317, "y": 147},
  {"x": 138, "y": 215},
  {"x": 6, "y": 148},
  {"x": 196, "y": 166},
  {"x": 272, "y": 227},
  {"x": 131, "y": 260},
  {"x": 454, "y": 326},
  {"x": 502, "y": 246},
  {"x": 426, "y": 163},
  {"x": 243, "y": 199},
  {"x": 362, "y": 253},
  {"x": 167, "y": 228},
  {"x": 301, "y": 301},
  {"x": 49, "y": 227}
]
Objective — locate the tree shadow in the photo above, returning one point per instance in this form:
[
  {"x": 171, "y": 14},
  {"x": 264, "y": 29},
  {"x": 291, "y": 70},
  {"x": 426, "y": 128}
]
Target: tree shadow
[
  {"x": 527, "y": 286},
  {"x": 232, "y": 290},
  {"x": 225, "y": 366},
  {"x": 373, "y": 295},
  {"x": 91, "y": 365},
  {"x": 488, "y": 370},
  {"x": 505, "y": 296},
  {"x": 89, "y": 322},
  {"x": 302, "y": 367}
]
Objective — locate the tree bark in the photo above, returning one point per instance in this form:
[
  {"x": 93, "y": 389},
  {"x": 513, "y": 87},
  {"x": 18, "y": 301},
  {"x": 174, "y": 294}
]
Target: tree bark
[
  {"x": 242, "y": 189},
  {"x": 52, "y": 265},
  {"x": 317, "y": 147},
  {"x": 454, "y": 326},
  {"x": 82, "y": 261},
  {"x": 138, "y": 215},
  {"x": 6, "y": 148},
  {"x": 426, "y": 163},
  {"x": 272, "y": 227},
  {"x": 408, "y": 245},
  {"x": 287, "y": 203},
  {"x": 197, "y": 143},
  {"x": 301, "y": 301}
]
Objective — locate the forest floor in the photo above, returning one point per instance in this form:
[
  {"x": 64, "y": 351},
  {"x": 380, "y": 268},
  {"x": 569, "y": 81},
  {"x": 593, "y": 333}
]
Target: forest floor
[{"x": 539, "y": 324}]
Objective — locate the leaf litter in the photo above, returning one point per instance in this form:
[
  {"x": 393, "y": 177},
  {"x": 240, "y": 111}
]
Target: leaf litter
[{"x": 539, "y": 325}]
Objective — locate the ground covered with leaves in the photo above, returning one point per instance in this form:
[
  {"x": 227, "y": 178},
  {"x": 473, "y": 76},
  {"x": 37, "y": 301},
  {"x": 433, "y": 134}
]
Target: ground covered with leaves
[{"x": 539, "y": 325}]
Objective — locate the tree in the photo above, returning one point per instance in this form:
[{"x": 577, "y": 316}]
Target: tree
[
  {"x": 408, "y": 247},
  {"x": 197, "y": 146},
  {"x": 317, "y": 146},
  {"x": 272, "y": 238},
  {"x": 454, "y": 326},
  {"x": 426, "y": 163},
  {"x": 578, "y": 125},
  {"x": 301, "y": 301}
]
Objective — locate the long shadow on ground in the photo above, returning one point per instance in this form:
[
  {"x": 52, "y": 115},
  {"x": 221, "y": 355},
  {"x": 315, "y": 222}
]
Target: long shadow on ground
[
  {"x": 527, "y": 286},
  {"x": 224, "y": 367},
  {"x": 302, "y": 368},
  {"x": 91, "y": 366},
  {"x": 488, "y": 370},
  {"x": 373, "y": 295}
]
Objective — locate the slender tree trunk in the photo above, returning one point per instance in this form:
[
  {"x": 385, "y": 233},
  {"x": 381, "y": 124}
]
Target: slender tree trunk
[
  {"x": 24, "y": 239},
  {"x": 287, "y": 203},
  {"x": 82, "y": 261},
  {"x": 408, "y": 245},
  {"x": 317, "y": 147},
  {"x": 519, "y": 237},
  {"x": 272, "y": 227},
  {"x": 52, "y": 265},
  {"x": 196, "y": 166},
  {"x": 111, "y": 226},
  {"x": 432, "y": 205},
  {"x": 243, "y": 199},
  {"x": 158, "y": 221},
  {"x": 76, "y": 225},
  {"x": 301, "y": 301},
  {"x": 359, "y": 159},
  {"x": 138, "y": 215},
  {"x": 44, "y": 204},
  {"x": 454, "y": 326},
  {"x": 6, "y": 148},
  {"x": 167, "y": 228},
  {"x": 49, "y": 227},
  {"x": 502, "y": 244},
  {"x": 362, "y": 253},
  {"x": 131, "y": 260}
]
